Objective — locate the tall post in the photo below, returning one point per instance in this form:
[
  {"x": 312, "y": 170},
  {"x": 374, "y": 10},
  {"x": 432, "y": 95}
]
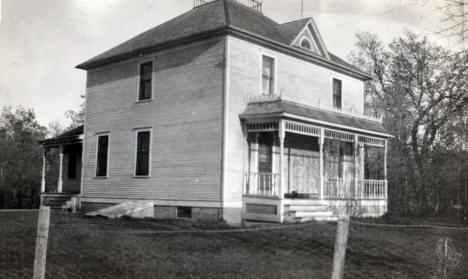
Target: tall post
[
  {"x": 281, "y": 135},
  {"x": 60, "y": 182},
  {"x": 44, "y": 162},
  {"x": 341, "y": 242},
  {"x": 41, "y": 242},
  {"x": 321, "y": 145},
  {"x": 356, "y": 160}
]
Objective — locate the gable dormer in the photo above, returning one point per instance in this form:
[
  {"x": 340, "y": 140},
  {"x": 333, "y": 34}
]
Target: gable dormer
[{"x": 305, "y": 35}]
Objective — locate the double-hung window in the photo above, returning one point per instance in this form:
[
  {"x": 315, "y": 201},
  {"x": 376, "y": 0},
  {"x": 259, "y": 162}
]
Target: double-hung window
[
  {"x": 337, "y": 93},
  {"x": 268, "y": 75},
  {"x": 146, "y": 73},
  {"x": 102, "y": 155},
  {"x": 143, "y": 153}
]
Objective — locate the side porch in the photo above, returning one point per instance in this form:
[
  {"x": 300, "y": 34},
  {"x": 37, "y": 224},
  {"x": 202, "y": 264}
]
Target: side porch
[
  {"x": 61, "y": 168},
  {"x": 298, "y": 171}
]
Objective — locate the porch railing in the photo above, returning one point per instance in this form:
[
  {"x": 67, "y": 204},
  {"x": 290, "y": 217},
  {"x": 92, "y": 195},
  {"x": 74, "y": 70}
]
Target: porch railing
[
  {"x": 340, "y": 188},
  {"x": 262, "y": 184},
  {"x": 371, "y": 189},
  {"x": 337, "y": 188}
]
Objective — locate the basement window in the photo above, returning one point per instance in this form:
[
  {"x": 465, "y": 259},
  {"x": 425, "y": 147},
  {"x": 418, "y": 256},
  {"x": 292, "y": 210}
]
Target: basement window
[{"x": 184, "y": 212}]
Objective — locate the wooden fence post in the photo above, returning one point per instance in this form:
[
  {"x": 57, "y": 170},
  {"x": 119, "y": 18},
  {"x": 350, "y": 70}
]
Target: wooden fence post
[
  {"x": 41, "y": 242},
  {"x": 340, "y": 247}
]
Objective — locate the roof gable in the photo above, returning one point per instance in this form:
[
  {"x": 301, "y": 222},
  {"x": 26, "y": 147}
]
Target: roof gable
[{"x": 309, "y": 31}]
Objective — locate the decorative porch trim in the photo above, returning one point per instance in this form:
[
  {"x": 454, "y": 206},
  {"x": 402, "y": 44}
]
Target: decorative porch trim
[
  {"x": 339, "y": 135},
  {"x": 302, "y": 128},
  {"x": 371, "y": 141},
  {"x": 269, "y": 126}
]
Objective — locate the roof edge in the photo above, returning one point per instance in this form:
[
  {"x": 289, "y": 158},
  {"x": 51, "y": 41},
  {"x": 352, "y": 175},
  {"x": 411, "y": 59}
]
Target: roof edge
[{"x": 222, "y": 31}]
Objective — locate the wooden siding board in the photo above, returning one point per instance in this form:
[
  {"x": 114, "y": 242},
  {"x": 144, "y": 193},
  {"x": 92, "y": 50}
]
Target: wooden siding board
[
  {"x": 297, "y": 80},
  {"x": 186, "y": 121}
]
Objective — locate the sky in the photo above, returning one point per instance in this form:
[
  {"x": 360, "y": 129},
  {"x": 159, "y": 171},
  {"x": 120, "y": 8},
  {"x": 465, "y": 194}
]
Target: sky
[{"x": 41, "y": 41}]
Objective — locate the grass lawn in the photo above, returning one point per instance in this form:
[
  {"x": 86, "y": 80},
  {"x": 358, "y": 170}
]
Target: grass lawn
[{"x": 99, "y": 248}]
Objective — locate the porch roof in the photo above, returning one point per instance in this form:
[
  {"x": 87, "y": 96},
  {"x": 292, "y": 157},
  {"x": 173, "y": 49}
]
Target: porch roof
[
  {"x": 69, "y": 137},
  {"x": 282, "y": 108}
]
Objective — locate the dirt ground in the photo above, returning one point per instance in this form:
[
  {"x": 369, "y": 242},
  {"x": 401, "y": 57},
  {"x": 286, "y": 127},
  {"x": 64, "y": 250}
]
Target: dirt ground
[{"x": 82, "y": 247}]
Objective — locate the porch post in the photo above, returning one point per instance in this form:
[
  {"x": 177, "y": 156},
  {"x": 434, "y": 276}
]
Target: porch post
[
  {"x": 385, "y": 168},
  {"x": 60, "y": 182},
  {"x": 281, "y": 135},
  {"x": 321, "y": 143},
  {"x": 44, "y": 162},
  {"x": 356, "y": 150},
  {"x": 246, "y": 163}
]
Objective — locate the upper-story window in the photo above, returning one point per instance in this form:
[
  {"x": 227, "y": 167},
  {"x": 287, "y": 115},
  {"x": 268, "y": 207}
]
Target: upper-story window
[
  {"x": 102, "y": 155},
  {"x": 305, "y": 43},
  {"x": 146, "y": 72},
  {"x": 337, "y": 93},
  {"x": 268, "y": 75},
  {"x": 143, "y": 153}
]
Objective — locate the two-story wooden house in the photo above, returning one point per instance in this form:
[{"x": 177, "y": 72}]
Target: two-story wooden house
[{"x": 224, "y": 113}]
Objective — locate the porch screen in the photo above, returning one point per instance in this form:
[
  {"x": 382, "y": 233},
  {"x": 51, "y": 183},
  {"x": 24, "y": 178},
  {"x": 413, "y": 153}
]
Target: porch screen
[
  {"x": 102, "y": 150},
  {"x": 143, "y": 150},
  {"x": 268, "y": 75}
]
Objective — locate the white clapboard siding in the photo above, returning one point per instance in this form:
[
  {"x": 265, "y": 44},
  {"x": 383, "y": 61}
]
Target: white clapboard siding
[
  {"x": 186, "y": 120},
  {"x": 296, "y": 80}
]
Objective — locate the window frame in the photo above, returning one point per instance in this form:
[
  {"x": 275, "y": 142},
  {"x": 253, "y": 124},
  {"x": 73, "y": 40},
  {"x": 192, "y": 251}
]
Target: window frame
[
  {"x": 310, "y": 48},
  {"x": 275, "y": 78},
  {"x": 99, "y": 135},
  {"x": 140, "y": 64},
  {"x": 137, "y": 131},
  {"x": 333, "y": 93}
]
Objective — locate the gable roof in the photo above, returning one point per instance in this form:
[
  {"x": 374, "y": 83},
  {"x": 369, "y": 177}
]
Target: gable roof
[
  {"x": 205, "y": 20},
  {"x": 290, "y": 30}
]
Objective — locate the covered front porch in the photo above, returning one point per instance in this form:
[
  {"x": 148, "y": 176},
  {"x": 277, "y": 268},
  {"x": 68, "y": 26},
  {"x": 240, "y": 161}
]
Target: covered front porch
[
  {"x": 294, "y": 164},
  {"x": 62, "y": 182}
]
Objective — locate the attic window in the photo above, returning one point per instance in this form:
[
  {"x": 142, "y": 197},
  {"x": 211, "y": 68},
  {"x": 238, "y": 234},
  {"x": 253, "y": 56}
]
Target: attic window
[{"x": 305, "y": 43}]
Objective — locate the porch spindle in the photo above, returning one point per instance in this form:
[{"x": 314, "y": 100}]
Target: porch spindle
[
  {"x": 60, "y": 182},
  {"x": 321, "y": 143},
  {"x": 44, "y": 162},
  {"x": 281, "y": 134}
]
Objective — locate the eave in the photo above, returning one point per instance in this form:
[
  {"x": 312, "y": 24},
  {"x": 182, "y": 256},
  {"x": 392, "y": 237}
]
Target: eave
[{"x": 232, "y": 30}]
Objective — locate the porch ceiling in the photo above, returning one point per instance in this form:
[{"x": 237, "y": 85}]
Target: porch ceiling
[{"x": 282, "y": 108}]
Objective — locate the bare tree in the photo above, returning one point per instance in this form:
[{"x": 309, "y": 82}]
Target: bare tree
[
  {"x": 455, "y": 19},
  {"x": 418, "y": 86}
]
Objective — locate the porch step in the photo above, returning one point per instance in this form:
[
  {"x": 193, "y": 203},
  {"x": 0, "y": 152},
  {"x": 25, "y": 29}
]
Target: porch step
[
  {"x": 305, "y": 210},
  {"x": 291, "y": 219},
  {"x": 307, "y": 207},
  {"x": 310, "y": 214},
  {"x": 306, "y": 202},
  {"x": 55, "y": 200}
]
